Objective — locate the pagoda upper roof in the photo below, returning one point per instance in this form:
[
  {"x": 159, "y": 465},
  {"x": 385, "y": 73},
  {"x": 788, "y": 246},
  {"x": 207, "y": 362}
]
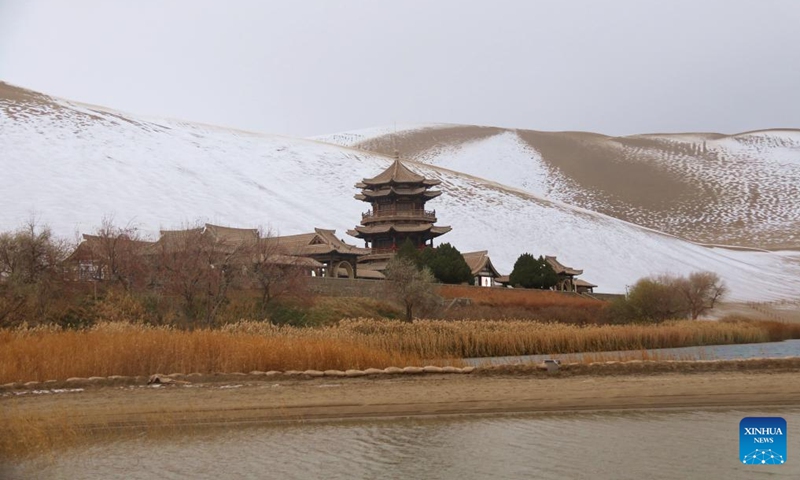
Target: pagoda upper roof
[
  {"x": 385, "y": 192},
  {"x": 396, "y": 173}
]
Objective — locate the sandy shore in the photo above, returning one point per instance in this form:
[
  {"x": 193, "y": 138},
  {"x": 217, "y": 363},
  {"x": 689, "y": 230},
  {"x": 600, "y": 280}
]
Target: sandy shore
[{"x": 244, "y": 400}]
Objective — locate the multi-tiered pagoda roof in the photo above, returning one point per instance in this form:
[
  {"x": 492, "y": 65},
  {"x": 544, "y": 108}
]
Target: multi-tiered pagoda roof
[{"x": 397, "y": 196}]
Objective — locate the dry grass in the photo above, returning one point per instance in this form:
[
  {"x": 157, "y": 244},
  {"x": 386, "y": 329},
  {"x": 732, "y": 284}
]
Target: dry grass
[
  {"x": 507, "y": 297},
  {"x": 28, "y": 434},
  {"x": 462, "y": 339},
  {"x": 44, "y": 434},
  {"x": 39, "y": 354},
  {"x": 776, "y": 331},
  {"x": 626, "y": 356},
  {"x": 122, "y": 349}
]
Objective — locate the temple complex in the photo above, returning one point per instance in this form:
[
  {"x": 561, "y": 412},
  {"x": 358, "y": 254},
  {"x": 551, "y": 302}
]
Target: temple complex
[{"x": 397, "y": 214}]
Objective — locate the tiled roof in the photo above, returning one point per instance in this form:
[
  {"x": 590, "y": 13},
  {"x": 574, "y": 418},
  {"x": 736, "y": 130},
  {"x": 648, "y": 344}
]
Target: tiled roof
[
  {"x": 319, "y": 242},
  {"x": 370, "y": 274},
  {"x": 396, "y": 173},
  {"x": 293, "y": 261},
  {"x": 478, "y": 261},
  {"x": 93, "y": 245},
  {"x": 561, "y": 269},
  {"x": 367, "y": 195},
  {"x": 232, "y": 235},
  {"x": 400, "y": 228}
]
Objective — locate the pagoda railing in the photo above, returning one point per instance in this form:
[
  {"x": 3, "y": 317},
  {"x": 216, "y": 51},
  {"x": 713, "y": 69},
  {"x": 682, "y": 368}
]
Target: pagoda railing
[
  {"x": 394, "y": 212},
  {"x": 377, "y": 251},
  {"x": 394, "y": 249}
]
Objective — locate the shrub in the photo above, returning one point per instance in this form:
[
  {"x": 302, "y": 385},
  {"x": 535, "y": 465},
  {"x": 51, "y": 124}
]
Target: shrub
[
  {"x": 669, "y": 297},
  {"x": 657, "y": 299},
  {"x": 412, "y": 287}
]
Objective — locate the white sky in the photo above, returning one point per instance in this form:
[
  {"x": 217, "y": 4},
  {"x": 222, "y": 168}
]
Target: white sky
[{"x": 301, "y": 68}]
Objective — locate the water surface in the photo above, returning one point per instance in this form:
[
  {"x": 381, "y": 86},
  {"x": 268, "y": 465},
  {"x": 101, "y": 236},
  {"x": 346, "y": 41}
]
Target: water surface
[
  {"x": 787, "y": 348},
  {"x": 619, "y": 445}
]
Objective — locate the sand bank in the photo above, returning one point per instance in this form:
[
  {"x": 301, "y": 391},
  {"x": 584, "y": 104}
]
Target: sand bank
[{"x": 229, "y": 400}]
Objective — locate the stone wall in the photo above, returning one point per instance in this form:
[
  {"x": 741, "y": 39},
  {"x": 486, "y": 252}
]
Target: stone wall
[
  {"x": 346, "y": 287},
  {"x": 608, "y": 297}
]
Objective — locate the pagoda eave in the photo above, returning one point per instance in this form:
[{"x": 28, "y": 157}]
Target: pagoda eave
[{"x": 366, "y": 231}]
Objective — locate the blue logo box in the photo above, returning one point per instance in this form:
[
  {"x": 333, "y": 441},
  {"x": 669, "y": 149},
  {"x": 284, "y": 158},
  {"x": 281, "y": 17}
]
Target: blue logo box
[{"x": 762, "y": 441}]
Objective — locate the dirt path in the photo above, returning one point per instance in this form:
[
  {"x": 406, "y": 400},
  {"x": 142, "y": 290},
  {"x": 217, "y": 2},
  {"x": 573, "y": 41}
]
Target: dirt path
[{"x": 260, "y": 401}]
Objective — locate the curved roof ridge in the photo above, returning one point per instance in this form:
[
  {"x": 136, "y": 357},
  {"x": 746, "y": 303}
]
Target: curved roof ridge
[{"x": 397, "y": 172}]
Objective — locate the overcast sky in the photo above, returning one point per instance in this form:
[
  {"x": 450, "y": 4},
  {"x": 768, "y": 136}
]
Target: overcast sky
[{"x": 311, "y": 67}]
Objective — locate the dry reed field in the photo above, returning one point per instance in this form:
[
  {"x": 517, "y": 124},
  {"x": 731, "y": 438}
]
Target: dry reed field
[
  {"x": 123, "y": 349},
  {"x": 506, "y": 297},
  {"x": 468, "y": 338},
  {"x": 40, "y": 354}
]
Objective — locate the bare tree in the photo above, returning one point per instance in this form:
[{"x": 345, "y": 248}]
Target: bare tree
[
  {"x": 11, "y": 298},
  {"x": 410, "y": 285},
  {"x": 700, "y": 291},
  {"x": 31, "y": 254},
  {"x": 30, "y": 271},
  {"x": 119, "y": 254},
  {"x": 273, "y": 271},
  {"x": 200, "y": 268}
]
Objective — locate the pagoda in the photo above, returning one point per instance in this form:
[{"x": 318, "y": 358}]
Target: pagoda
[{"x": 397, "y": 197}]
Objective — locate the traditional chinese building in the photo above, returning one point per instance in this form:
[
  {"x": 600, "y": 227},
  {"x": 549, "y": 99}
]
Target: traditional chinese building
[
  {"x": 96, "y": 257},
  {"x": 566, "y": 275},
  {"x": 483, "y": 272},
  {"x": 337, "y": 259},
  {"x": 568, "y": 280},
  {"x": 582, "y": 286},
  {"x": 397, "y": 198}
]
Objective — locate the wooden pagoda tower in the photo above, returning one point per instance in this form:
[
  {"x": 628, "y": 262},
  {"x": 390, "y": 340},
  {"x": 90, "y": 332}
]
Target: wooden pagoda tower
[{"x": 397, "y": 197}]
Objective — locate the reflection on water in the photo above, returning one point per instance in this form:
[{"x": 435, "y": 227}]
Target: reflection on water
[
  {"x": 621, "y": 445},
  {"x": 787, "y": 348}
]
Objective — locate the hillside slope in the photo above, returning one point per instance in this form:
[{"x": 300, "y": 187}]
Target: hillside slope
[
  {"x": 739, "y": 189},
  {"x": 71, "y": 164}
]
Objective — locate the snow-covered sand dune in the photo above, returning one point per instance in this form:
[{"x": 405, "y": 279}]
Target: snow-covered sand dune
[
  {"x": 71, "y": 164},
  {"x": 721, "y": 189}
]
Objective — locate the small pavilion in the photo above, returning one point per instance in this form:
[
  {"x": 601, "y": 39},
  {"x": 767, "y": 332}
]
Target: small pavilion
[{"x": 483, "y": 272}]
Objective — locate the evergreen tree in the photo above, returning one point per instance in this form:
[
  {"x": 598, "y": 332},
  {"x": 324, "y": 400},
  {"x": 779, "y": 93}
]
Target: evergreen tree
[
  {"x": 408, "y": 251},
  {"x": 447, "y": 264},
  {"x": 530, "y": 272}
]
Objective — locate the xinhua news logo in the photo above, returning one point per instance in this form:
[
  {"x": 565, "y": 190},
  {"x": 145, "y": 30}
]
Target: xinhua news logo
[{"x": 762, "y": 441}]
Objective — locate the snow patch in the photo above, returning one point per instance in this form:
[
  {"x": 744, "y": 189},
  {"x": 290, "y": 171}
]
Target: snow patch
[{"x": 354, "y": 137}]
